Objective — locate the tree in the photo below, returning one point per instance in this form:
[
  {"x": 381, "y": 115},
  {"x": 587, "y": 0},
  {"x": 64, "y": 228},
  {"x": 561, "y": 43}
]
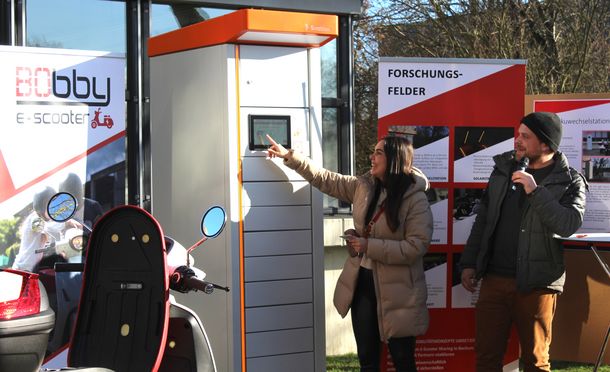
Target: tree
[
  {"x": 9, "y": 239},
  {"x": 42, "y": 42},
  {"x": 566, "y": 42},
  {"x": 365, "y": 86},
  {"x": 9, "y": 228}
]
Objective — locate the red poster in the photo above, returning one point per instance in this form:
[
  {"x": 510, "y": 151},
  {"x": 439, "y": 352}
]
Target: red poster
[{"x": 463, "y": 112}]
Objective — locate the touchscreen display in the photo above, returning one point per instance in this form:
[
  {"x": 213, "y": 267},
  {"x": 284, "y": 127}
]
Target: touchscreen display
[{"x": 277, "y": 126}]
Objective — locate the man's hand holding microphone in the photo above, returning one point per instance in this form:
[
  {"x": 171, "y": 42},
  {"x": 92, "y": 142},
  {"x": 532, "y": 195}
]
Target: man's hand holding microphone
[{"x": 521, "y": 177}]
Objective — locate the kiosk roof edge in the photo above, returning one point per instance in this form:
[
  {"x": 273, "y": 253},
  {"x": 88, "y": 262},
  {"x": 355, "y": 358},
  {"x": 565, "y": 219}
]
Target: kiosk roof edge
[{"x": 250, "y": 26}]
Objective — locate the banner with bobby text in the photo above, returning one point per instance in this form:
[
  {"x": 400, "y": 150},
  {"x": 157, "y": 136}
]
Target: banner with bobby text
[
  {"x": 460, "y": 113},
  {"x": 62, "y": 114},
  {"x": 57, "y": 106}
]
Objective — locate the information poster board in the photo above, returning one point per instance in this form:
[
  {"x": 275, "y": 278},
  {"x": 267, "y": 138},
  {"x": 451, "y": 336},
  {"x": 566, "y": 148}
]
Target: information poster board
[
  {"x": 581, "y": 317},
  {"x": 463, "y": 112},
  {"x": 56, "y": 107},
  {"x": 63, "y": 117},
  {"x": 586, "y": 143}
]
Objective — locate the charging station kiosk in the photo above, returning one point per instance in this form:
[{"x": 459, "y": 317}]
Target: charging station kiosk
[{"x": 217, "y": 87}]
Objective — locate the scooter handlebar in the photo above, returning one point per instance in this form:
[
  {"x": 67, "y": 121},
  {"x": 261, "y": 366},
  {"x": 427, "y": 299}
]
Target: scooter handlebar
[
  {"x": 184, "y": 280},
  {"x": 202, "y": 285}
]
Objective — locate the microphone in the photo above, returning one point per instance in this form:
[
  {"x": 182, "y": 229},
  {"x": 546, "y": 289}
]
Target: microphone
[{"x": 521, "y": 166}]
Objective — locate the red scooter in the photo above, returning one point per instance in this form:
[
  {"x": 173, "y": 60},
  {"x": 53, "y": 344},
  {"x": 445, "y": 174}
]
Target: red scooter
[{"x": 127, "y": 320}]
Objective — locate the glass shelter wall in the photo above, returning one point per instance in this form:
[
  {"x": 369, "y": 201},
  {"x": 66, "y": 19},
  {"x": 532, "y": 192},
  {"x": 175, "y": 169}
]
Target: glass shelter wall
[{"x": 117, "y": 171}]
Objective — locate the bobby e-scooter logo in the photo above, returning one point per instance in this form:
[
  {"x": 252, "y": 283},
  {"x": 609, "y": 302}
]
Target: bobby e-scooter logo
[
  {"x": 36, "y": 86},
  {"x": 107, "y": 122}
]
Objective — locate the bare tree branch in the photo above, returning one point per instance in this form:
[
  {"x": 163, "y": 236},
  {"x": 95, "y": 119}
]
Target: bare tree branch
[{"x": 566, "y": 44}]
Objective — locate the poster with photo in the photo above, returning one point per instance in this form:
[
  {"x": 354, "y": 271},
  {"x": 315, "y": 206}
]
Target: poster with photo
[
  {"x": 437, "y": 197},
  {"x": 474, "y": 149},
  {"x": 585, "y": 141},
  {"x": 460, "y": 297},
  {"x": 465, "y": 207},
  {"x": 63, "y": 129},
  {"x": 435, "y": 267},
  {"x": 431, "y": 144}
]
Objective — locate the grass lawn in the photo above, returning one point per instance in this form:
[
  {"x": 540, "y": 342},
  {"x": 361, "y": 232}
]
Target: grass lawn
[{"x": 349, "y": 362}]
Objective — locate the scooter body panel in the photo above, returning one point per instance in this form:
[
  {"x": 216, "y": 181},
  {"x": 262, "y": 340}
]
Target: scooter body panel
[
  {"x": 124, "y": 305},
  {"x": 188, "y": 348}
]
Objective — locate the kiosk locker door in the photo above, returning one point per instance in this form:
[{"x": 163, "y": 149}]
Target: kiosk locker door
[
  {"x": 277, "y": 210},
  {"x": 273, "y": 76}
]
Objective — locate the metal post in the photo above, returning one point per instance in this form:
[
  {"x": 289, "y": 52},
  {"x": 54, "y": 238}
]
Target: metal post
[
  {"x": 137, "y": 98},
  {"x": 600, "y": 357},
  {"x": 602, "y": 350}
]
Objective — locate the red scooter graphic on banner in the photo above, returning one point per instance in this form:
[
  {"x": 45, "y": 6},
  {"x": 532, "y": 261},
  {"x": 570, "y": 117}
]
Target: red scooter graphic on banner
[{"x": 107, "y": 122}]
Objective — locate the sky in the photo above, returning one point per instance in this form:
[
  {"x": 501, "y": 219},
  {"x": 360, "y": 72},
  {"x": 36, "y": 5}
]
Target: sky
[{"x": 89, "y": 25}]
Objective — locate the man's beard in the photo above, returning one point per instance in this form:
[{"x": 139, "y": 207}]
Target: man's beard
[{"x": 533, "y": 158}]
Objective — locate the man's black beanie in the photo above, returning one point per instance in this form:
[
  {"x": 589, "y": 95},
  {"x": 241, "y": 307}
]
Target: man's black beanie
[{"x": 546, "y": 126}]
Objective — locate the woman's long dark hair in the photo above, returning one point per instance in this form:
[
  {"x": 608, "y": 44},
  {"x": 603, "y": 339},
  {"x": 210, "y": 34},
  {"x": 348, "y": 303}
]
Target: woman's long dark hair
[{"x": 398, "y": 178}]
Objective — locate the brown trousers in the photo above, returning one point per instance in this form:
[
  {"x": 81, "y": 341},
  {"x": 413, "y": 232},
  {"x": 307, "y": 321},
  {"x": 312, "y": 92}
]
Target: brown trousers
[{"x": 498, "y": 307}]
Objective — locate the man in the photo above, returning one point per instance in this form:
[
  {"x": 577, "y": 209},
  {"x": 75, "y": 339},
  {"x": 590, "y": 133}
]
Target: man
[{"x": 512, "y": 245}]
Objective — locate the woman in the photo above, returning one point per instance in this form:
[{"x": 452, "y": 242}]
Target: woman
[{"x": 383, "y": 280}]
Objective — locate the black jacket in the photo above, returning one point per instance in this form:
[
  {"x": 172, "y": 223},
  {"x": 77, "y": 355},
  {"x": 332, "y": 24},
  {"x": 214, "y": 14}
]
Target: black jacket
[{"x": 556, "y": 207}]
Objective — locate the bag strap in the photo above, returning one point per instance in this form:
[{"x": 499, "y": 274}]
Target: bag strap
[{"x": 369, "y": 227}]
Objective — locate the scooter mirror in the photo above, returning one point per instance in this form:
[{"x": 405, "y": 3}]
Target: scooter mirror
[
  {"x": 213, "y": 222},
  {"x": 61, "y": 207}
]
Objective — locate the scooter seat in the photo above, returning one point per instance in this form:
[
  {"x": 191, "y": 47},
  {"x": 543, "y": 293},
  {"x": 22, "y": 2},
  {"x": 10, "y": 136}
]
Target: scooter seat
[{"x": 124, "y": 306}]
